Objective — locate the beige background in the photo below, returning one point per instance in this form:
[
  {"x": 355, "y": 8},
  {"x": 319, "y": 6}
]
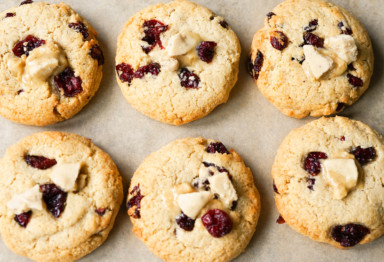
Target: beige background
[{"x": 248, "y": 123}]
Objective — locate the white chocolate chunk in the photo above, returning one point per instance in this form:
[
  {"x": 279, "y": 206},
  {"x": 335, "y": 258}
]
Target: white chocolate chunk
[
  {"x": 181, "y": 43},
  {"x": 15, "y": 65},
  {"x": 65, "y": 175},
  {"x": 30, "y": 199},
  {"x": 344, "y": 46},
  {"x": 221, "y": 185},
  {"x": 341, "y": 175},
  {"x": 170, "y": 64},
  {"x": 192, "y": 203},
  {"x": 315, "y": 63}
]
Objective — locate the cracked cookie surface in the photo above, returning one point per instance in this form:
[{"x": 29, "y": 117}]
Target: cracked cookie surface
[
  {"x": 42, "y": 216},
  {"x": 197, "y": 56},
  {"x": 51, "y": 64}
]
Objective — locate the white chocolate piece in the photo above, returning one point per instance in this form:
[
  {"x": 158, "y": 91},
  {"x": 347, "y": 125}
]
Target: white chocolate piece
[
  {"x": 344, "y": 46},
  {"x": 341, "y": 175},
  {"x": 181, "y": 43},
  {"x": 170, "y": 64},
  {"x": 30, "y": 199},
  {"x": 192, "y": 203},
  {"x": 221, "y": 185},
  {"x": 65, "y": 175},
  {"x": 315, "y": 63}
]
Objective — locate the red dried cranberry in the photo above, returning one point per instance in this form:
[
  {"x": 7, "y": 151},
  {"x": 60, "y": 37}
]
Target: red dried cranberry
[
  {"x": 217, "y": 147},
  {"x": 224, "y": 24},
  {"x": 54, "y": 199},
  {"x": 311, "y": 26},
  {"x": 10, "y": 15},
  {"x": 185, "y": 222},
  {"x": 97, "y": 53},
  {"x": 125, "y": 72},
  {"x": 217, "y": 222},
  {"x": 188, "y": 79},
  {"x": 23, "y": 218},
  {"x": 135, "y": 201},
  {"x": 312, "y": 39},
  {"x": 39, "y": 162},
  {"x": 206, "y": 51},
  {"x": 342, "y": 138},
  {"x": 27, "y": 45},
  {"x": 339, "y": 107},
  {"x": 26, "y": 2},
  {"x": 350, "y": 234},
  {"x": 344, "y": 29},
  {"x": 152, "y": 31},
  {"x": 270, "y": 14},
  {"x": 153, "y": 68},
  {"x": 100, "y": 211},
  {"x": 255, "y": 67},
  {"x": 70, "y": 83},
  {"x": 80, "y": 28},
  {"x": 275, "y": 188},
  {"x": 280, "y": 220},
  {"x": 355, "y": 81},
  {"x": 279, "y": 40},
  {"x": 312, "y": 164},
  {"x": 364, "y": 155},
  {"x": 311, "y": 183}
]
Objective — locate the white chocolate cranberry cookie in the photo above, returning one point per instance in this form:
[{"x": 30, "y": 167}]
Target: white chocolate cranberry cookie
[
  {"x": 329, "y": 183},
  {"x": 311, "y": 58},
  {"x": 59, "y": 196},
  {"x": 194, "y": 200},
  {"x": 176, "y": 62},
  {"x": 50, "y": 63}
]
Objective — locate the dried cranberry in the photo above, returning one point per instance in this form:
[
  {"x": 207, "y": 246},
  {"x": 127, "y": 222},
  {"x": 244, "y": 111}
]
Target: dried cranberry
[
  {"x": 97, "y": 53},
  {"x": 26, "y": 2},
  {"x": 100, "y": 211},
  {"x": 255, "y": 67},
  {"x": 312, "y": 39},
  {"x": 234, "y": 205},
  {"x": 10, "y": 15},
  {"x": 125, "y": 72},
  {"x": 219, "y": 168},
  {"x": 224, "y": 24},
  {"x": 54, "y": 199},
  {"x": 312, "y": 164},
  {"x": 311, "y": 26},
  {"x": 270, "y": 14},
  {"x": 342, "y": 138},
  {"x": 275, "y": 188},
  {"x": 280, "y": 220},
  {"x": 39, "y": 162},
  {"x": 364, "y": 155},
  {"x": 153, "y": 68},
  {"x": 217, "y": 222},
  {"x": 344, "y": 29},
  {"x": 279, "y": 40},
  {"x": 354, "y": 80},
  {"x": 311, "y": 183},
  {"x": 351, "y": 67},
  {"x": 339, "y": 107},
  {"x": 188, "y": 79},
  {"x": 217, "y": 147},
  {"x": 23, "y": 218},
  {"x": 152, "y": 31},
  {"x": 135, "y": 201},
  {"x": 27, "y": 45},
  {"x": 350, "y": 234},
  {"x": 185, "y": 222},
  {"x": 206, "y": 51},
  {"x": 70, "y": 83},
  {"x": 80, "y": 28}
]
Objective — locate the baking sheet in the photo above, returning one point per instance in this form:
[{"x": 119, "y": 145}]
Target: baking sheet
[{"x": 248, "y": 123}]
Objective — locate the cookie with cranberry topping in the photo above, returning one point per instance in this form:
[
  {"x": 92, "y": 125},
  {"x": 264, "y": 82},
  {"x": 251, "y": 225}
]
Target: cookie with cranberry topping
[
  {"x": 51, "y": 63},
  {"x": 328, "y": 181},
  {"x": 311, "y": 58},
  {"x": 177, "y": 61},
  {"x": 59, "y": 196},
  {"x": 191, "y": 196}
]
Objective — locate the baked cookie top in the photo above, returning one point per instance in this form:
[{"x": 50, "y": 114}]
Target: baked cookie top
[
  {"x": 177, "y": 61},
  {"x": 194, "y": 200},
  {"x": 59, "y": 196},
  {"x": 328, "y": 181},
  {"x": 311, "y": 58},
  {"x": 50, "y": 63}
]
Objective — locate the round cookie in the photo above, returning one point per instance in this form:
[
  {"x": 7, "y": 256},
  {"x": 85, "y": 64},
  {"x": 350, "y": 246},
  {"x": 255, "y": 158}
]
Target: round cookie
[
  {"x": 177, "y": 61},
  {"x": 311, "y": 58},
  {"x": 50, "y": 63},
  {"x": 59, "y": 197},
  {"x": 194, "y": 196},
  {"x": 328, "y": 181}
]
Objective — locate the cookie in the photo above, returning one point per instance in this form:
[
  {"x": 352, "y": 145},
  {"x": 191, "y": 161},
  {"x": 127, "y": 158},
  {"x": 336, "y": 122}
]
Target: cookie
[
  {"x": 59, "y": 197},
  {"x": 328, "y": 181},
  {"x": 194, "y": 200},
  {"x": 311, "y": 58},
  {"x": 177, "y": 61},
  {"x": 50, "y": 63}
]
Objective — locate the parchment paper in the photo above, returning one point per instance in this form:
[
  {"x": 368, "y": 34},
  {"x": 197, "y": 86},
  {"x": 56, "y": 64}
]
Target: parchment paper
[{"x": 248, "y": 123}]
